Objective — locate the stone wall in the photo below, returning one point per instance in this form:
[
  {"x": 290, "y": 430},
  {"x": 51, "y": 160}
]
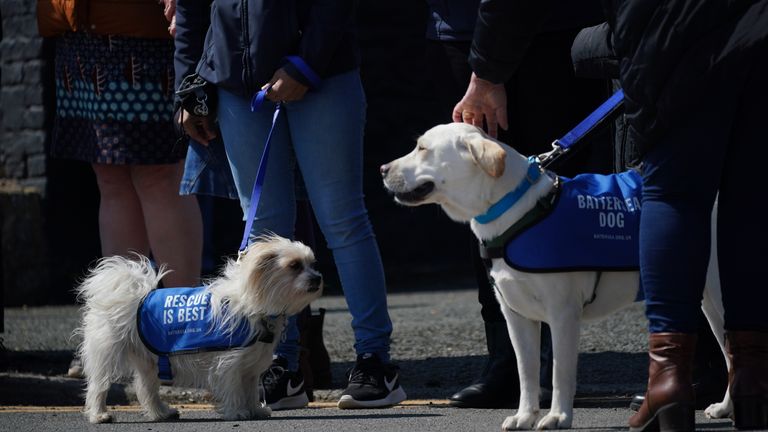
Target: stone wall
[{"x": 23, "y": 135}]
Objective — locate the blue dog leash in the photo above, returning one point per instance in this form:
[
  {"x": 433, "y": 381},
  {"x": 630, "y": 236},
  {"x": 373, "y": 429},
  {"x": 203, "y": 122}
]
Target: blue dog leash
[
  {"x": 564, "y": 145},
  {"x": 256, "y": 103}
]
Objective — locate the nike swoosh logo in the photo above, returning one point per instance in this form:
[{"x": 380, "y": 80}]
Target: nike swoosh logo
[
  {"x": 294, "y": 390},
  {"x": 390, "y": 384}
]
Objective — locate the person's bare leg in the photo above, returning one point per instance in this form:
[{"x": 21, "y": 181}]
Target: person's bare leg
[
  {"x": 174, "y": 224},
  {"x": 121, "y": 220}
]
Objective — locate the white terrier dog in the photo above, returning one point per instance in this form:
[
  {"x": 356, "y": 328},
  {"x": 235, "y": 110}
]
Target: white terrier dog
[{"x": 272, "y": 279}]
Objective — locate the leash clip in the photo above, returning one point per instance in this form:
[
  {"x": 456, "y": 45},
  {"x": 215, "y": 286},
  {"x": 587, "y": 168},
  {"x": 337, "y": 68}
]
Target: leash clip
[{"x": 557, "y": 150}]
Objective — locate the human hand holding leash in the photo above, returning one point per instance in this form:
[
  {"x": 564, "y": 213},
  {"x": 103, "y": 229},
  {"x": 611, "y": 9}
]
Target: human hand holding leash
[
  {"x": 198, "y": 128},
  {"x": 483, "y": 101},
  {"x": 283, "y": 88}
]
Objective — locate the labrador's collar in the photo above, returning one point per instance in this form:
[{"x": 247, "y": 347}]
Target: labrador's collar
[
  {"x": 494, "y": 248},
  {"x": 507, "y": 201}
]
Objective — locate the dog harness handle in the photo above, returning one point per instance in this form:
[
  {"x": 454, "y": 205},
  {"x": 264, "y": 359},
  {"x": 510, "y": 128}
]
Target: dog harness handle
[{"x": 256, "y": 103}]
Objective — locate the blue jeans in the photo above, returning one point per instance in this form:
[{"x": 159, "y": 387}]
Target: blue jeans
[
  {"x": 324, "y": 131},
  {"x": 718, "y": 147}
]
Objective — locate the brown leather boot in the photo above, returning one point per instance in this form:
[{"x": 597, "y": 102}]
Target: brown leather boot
[
  {"x": 669, "y": 400},
  {"x": 748, "y": 378}
]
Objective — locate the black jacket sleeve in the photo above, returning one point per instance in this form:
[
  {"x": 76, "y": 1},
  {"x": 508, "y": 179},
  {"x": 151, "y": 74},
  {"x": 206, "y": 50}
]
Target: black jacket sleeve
[
  {"x": 503, "y": 32},
  {"x": 593, "y": 55},
  {"x": 192, "y": 21}
]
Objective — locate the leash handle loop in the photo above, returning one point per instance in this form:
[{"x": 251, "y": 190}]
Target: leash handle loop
[{"x": 305, "y": 70}]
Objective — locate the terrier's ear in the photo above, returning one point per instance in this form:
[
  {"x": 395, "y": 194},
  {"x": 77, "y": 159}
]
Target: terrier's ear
[{"x": 486, "y": 153}]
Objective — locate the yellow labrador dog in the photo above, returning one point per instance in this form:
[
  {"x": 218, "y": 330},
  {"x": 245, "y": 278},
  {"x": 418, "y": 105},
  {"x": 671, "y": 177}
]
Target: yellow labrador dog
[{"x": 465, "y": 171}]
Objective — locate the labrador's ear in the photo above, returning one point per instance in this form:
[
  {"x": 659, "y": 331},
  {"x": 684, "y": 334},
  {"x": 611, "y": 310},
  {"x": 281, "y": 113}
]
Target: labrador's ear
[{"x": 486, "y": 153}]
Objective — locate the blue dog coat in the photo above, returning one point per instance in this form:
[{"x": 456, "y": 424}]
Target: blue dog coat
[
  {"x": 593, "y": 225},
  {"x": 173, "y": 321}
]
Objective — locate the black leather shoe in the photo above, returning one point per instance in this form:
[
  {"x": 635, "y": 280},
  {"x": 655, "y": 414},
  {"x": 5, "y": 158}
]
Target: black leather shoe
[
  {"x": 498, "y": 385},
  {"x": 485, "y": 395}
]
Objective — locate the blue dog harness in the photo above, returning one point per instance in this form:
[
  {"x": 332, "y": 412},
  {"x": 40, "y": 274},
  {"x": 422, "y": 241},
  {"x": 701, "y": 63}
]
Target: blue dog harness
[
  {"x": 175, "y": 321},
  {"x": 588, "y": 223}
]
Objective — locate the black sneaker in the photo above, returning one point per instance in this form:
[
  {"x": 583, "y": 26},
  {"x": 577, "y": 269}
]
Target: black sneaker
[
  {"x": 372, "y": 384},
  {"x": 283, "y": 389}
]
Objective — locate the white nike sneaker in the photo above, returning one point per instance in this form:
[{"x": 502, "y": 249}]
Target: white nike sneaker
[
  {"x": 284, "y": 389},
  {"x": 372, "y": 384}
]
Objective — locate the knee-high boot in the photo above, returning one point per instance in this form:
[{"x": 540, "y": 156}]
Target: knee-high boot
[
  {"x": 748, "y": 378},
  {"x": 669, "y": 403}
]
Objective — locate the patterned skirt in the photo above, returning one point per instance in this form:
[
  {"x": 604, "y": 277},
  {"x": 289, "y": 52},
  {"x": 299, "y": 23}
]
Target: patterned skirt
[{"x": 114, "y": 100}]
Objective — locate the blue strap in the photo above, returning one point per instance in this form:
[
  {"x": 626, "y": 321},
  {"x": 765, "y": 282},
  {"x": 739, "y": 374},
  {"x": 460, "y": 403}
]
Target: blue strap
[
  {"x": 256, "y": 104},
  {"x": 305, "y": 70},
  {"x": 508, "y": 200},
  {"x": 164, "y": 371},
  {"x": 591, "y": 121}
]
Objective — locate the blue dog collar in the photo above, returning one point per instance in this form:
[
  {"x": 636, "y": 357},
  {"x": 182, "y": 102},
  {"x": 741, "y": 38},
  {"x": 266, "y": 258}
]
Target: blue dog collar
[{"x": 508, "y": 200}]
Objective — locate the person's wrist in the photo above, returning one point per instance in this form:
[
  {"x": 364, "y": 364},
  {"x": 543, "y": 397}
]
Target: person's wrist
[{"x": 483, "y": 83}]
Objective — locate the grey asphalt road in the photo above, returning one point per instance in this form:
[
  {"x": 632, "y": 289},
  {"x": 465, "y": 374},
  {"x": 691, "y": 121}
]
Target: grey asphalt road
[
  {"x": 406, "y": 419},
  {"x": 438, "y": 342}
]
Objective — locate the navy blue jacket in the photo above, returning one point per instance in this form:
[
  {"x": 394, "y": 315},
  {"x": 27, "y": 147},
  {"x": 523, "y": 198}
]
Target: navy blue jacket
[{"x": 239, "y": 44}]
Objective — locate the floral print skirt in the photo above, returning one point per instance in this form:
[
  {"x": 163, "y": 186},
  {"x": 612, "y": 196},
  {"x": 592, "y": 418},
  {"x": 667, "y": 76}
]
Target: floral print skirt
[{"x": 114, "y": 100}]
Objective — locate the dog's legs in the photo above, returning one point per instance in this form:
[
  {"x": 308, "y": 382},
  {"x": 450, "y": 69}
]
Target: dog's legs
[
  {"x": 98, "y": 359},
  {"x": 231, "y": 395},
  {"x": 253, "y": 390},
  {"x": 713, "y": 310},
  {"x": 526, "y": 339},
  {"x": 565, "y": 352},
  {"x": 147, "y": 386},
  {"x": 712, "y": 305},
  {"x": 96, "y": 399}
]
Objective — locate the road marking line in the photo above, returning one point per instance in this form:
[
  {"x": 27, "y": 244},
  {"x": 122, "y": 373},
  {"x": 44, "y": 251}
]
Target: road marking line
[{"x": 198, "y": 407}]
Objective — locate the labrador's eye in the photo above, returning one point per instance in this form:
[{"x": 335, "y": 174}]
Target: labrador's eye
[{"x": 295, "y": 265}]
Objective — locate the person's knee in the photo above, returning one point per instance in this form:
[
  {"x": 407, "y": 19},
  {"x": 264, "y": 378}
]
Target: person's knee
[
  {"x": 113, "y": 180},
  {"x": 343, "y": 231}
]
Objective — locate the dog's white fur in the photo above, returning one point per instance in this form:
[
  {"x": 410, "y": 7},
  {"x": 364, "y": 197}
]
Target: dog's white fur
[
  {"x": 465, "y": 171},
  {"x": 274, "y": 277}
]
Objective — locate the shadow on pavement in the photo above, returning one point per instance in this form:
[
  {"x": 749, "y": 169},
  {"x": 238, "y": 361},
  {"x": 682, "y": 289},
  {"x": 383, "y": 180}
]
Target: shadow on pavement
[
  {"x": 35, "y": 390},
  {"x": 606, "y": 379}
]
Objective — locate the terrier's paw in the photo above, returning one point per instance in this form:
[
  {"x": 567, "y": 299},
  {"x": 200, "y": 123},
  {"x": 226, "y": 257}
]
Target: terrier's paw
[
  {"x": 521, "y": 420},
  {"x": 102, "y": 417},
  {"x": 171, "y": 414},
  {"x": 719, "y": 410},
  {"x": 555, "y": 421},
  {"x": 261, "y": 412},
  {"x": 163, "y": 414}
]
